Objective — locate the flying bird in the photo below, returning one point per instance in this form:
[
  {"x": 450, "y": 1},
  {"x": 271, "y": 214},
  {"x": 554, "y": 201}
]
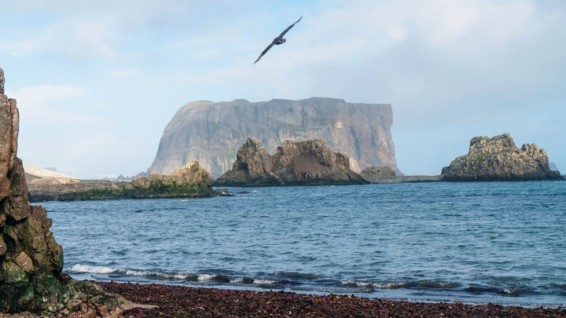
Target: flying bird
[{"x": 278, "y": 40}]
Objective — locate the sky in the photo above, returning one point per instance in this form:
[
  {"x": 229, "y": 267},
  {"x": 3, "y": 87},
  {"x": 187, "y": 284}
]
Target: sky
[{"x": 97, "y": 81}]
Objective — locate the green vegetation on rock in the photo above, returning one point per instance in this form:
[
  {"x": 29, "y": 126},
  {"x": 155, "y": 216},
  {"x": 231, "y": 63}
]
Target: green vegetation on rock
[
  {"x": 190, "y": 181},
  {"x": 128, "y": 191}
]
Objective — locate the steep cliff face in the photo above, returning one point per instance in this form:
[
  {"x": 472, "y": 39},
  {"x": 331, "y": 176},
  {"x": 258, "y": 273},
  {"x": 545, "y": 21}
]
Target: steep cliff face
[
  {"x": 212, "y": 132},
  {"x": 308, "y": 162},
  {"x": 499, "y": 159},
  {"x": 30, "y": 259}
]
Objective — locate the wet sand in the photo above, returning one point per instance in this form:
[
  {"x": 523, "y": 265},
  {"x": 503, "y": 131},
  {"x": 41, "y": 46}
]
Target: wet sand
[{"x": 179, "y": 301}]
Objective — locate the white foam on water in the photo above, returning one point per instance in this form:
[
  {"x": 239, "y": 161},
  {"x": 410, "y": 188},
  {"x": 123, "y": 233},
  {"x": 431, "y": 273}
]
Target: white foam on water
[
  {"x": 132, "y": 272},
  {"x": 181, "y": 276},
  {"x": 392, "y": 285},
  {"x": 162, "y": 275},
  {"x": 79, "y": 268},
  {"x": 205, "y": 277},
  {"x": 264, "y": 282},
  {"x": 356, "y": 284}
]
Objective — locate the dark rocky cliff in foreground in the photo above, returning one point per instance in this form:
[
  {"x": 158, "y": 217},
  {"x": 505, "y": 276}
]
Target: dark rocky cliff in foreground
[
  {"x": 499, "y": 159},
  {"x": 212, "y": 132},
  {"x": 30, "y": 259},
  {"x": 302, "y": 163}
]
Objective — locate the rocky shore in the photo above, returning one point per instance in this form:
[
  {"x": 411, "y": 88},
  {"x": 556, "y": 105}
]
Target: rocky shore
[
  {"x": 178, "y": 301},
  {"x": 190, "y": 181}
]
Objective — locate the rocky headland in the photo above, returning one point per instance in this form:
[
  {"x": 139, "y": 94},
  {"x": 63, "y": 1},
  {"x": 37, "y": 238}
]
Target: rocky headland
[
  {"x": 499, "y": 159},
  {"x": 295, "y": 163},
  {"x": 211, "y": 132},
  {"x": 189, "y": 181}
]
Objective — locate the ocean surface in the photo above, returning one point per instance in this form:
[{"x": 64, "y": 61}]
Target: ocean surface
[{"x": 500, "y": 242}]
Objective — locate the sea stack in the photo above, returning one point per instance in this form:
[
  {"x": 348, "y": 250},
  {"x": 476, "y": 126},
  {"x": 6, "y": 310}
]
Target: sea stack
[
  {"x": 308, "y": 162},
  {"x": 499, "y": 159},
  {"x": 30, "y": 259}
]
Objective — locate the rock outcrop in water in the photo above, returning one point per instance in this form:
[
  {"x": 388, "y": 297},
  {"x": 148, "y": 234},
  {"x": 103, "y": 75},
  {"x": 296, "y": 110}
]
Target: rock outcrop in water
[
  {"x": 499, "y": 159},
  {"x": 301, "y": 163},
  {"x": 212, "y": 132},
  {"x": 375, "y": 174},
  {"x": 388, "y": 175},
  {"x": 190, "y": 181}
]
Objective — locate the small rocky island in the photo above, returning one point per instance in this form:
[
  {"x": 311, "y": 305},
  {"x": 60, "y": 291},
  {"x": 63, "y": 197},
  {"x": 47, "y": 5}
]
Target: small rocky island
[
  {"x": 499, "y": 159},
  {"x": 295, "y": 163}
]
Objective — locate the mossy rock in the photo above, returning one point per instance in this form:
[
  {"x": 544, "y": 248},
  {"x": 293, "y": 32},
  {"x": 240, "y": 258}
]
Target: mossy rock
[
  {"x": 154, "y": 190},
  {"x": 15, "y": 297}
]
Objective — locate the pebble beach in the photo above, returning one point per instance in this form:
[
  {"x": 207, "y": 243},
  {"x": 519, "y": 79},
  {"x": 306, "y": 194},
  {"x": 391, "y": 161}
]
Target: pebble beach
[{"x": 180, "y": 301}]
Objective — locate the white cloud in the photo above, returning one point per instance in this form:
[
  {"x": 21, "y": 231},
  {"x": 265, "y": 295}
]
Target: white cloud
[
  {"x": 100, "y": 154},
  {"x": 46, "y": 94},
  {"x": 53, "y": 105},
  {"x": 74, "y": 37},
  {"x": 85, "y": 30}
]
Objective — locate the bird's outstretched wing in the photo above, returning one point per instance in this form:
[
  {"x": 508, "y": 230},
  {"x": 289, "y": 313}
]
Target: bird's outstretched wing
[
  {"x": 289, "y": 28},
  {"x": 264, "y": 51},
  {"x": 275, "y": 40}
]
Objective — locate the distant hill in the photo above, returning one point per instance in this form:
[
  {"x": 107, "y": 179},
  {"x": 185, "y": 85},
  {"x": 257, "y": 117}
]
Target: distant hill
[
  {"x": 212, "y": 132},
  {"x": 36, "y": 175}
]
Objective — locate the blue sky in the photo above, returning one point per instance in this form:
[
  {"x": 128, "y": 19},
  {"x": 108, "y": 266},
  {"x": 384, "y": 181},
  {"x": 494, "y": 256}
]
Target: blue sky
[{"x": 97, "y": 82}]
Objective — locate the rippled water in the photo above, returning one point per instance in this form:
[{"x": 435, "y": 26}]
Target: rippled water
[{"x": 472, "y": 242}]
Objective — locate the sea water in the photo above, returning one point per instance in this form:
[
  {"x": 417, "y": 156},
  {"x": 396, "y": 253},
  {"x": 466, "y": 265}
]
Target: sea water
[{"x": 500, "y": 242}]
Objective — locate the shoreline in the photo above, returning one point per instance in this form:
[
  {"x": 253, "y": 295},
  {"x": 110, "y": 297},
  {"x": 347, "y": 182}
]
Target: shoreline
[
  {"x": 184, "y": 301},
  {"x": 104, "y": 190}
]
